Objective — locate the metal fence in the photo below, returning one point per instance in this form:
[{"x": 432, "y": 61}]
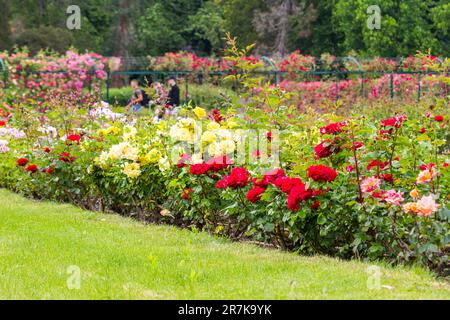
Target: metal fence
[{"x": 273, "y": 76}]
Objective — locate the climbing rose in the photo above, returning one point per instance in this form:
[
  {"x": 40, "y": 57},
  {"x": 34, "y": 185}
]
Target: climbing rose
[
  {"x": 22, "y": 162},
  {"x": 322, "y": 173},
  {"x": 254, "y": 194}
]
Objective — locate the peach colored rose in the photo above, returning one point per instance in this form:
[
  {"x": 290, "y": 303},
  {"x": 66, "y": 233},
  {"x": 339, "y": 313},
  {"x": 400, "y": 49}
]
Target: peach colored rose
[{"x": 426, "y": 206}]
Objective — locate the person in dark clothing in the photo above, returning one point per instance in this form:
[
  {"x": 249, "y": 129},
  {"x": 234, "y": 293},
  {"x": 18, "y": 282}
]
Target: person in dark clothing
[{"x": 173, "y": 98}]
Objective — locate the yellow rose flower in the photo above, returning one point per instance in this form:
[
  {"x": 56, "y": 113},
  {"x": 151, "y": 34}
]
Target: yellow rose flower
[
  {"x": 213, "y": 126},
  {"x": 228, "y": 146},
  {"x": 208, "y": 137},
  {"x": 132, "y": 170},
  {"x": 200, "y": 112}
]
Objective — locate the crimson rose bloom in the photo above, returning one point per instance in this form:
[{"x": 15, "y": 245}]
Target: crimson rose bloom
[
  {"x": 393, "y": 122},
  {"x": 2, "y": 123},
  {"x": 254, "y": 194},
  {"x": 238, "y": 178},
  {"x": 274, "y": 174},
  {"x": 22, "y": 162},
  {"x": 333, "y": 128},
  {"x": 263, "y": 183},
  {"x": 74, "y": 138},
  {"x": 183, "y": 159},
  {"x": 323, "y": 149},
  {"x": 439, "y": 118},
  {"x": 297, "y": 195},
  {"x": 322, "y": 173},
  {"x": 186, "y": 195},
  {"x": 198, "y": 169},
  {"x": 219, "y": 163},
  {"x": 315, "y": 205},
  {"x": 222, "y": 184},
  {"x": 289, "y": 183},
  {"x": 66, "y": 157},
  {"x": 32, "y": 168}
]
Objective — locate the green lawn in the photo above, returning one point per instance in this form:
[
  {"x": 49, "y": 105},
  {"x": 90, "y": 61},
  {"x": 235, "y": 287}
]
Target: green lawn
[{"x": 119, "y": 258}]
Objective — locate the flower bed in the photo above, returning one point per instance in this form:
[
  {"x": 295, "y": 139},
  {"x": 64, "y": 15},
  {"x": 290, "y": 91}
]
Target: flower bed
[{"x": 366, "y": 185}]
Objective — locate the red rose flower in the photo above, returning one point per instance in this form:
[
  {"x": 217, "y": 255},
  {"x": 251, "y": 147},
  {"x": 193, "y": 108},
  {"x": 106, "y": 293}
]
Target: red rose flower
[
  {"x": 323, "y": 149},
  {"x": 186, "y": 195},
  {"x": 73, "y": 138},
  {"x": 222, "y": 184},
  {"x": 375, "y": 163},
  {"x": 219, "y": 163},
  {"x": 445, "y": 164},
  {"x": 32, "y": 168},
  {"x": 263, "y": 183},
  {"x": 439, "y": 118},
  {"x": 289, "y": 183},
  {"x": 422, "y": 130},
  {"x": 387, "y": 177},
  {"x": 254, "y": 194},
  {"x": 333, "y": 128},
  {"x": 393, "y": 122},
  {"x": 297, "y": 195},
  {"x": 198, "y": 169},
  {"x": 2, "y": 123},
  {"x": 22, "y": 162},
  {"x": 66, "y": 157},
  {"x": 269, "y": 136},
  {"x": 321, "y": 173},
  {"x": 238, "y": 178},
  {"x": 183, "y": 159},
  {"x": 315, "y": 205},
  {"x": 47, "y": 150},
  {"x": 274, "y": 174}
]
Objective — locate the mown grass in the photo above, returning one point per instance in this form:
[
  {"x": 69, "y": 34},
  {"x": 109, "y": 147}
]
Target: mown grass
[{"x": 120, "y": 258}]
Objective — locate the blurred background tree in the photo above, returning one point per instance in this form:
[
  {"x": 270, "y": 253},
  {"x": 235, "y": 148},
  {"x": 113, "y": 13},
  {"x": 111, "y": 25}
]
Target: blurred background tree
[{"x": 152, "y": 27}]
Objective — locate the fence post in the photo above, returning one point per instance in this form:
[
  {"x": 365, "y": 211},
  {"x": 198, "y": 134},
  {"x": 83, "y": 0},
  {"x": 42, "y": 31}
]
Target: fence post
[
  {"x": 419, "y": 87},
  {"x": 391, "y": 85},
  {"x": 187, "y": 88},
  {"x": 362, "y": 84},
  {"x": 5, "y": 73},
  {"x": 337, "y": 86},
  {"x": 107, "y": 87}
]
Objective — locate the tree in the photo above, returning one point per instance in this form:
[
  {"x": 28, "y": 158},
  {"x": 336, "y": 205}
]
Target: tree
[
  {"x": 206, "y": 28},
  {"x": 5, "y": 31},
  {"x": 406, "y": 26}
]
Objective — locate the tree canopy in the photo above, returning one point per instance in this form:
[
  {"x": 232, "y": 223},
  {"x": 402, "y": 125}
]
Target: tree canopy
[{"x": 153, "y": 27}]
